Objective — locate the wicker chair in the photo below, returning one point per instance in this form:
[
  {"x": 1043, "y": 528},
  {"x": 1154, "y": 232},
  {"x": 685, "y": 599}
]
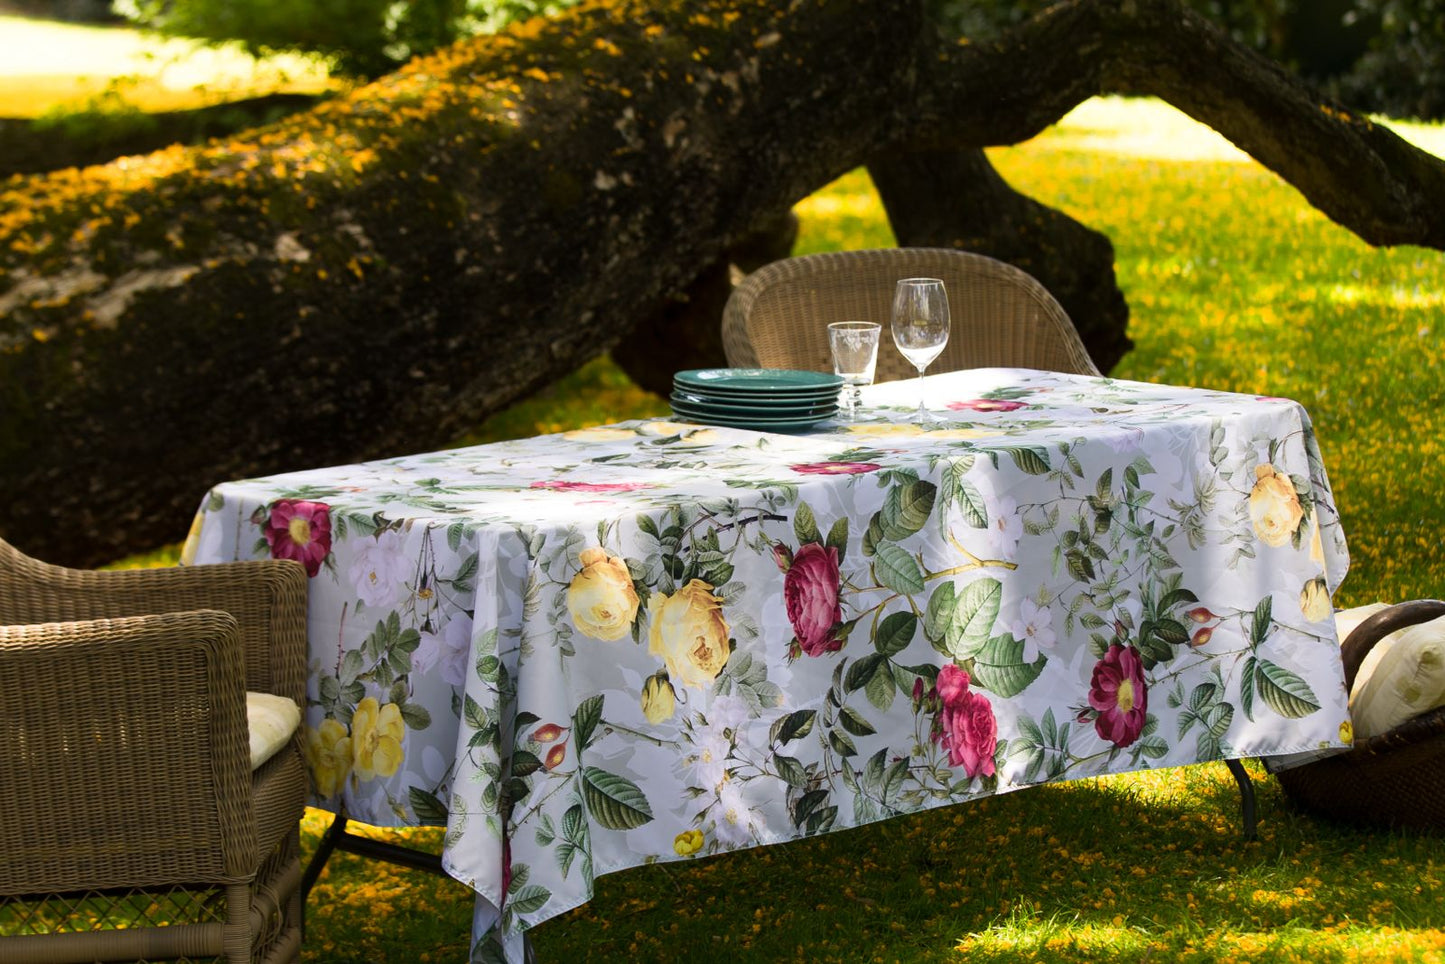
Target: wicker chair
[
  {"x": 1392, "y": 780},
  {"x": 127, "y": 798},
  {"x": 777, "y": 316}
]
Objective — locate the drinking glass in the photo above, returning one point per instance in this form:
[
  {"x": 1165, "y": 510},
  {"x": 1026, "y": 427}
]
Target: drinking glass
[
  {"x": 855, "y": 355},
  {"x": 920, "y": 328}
]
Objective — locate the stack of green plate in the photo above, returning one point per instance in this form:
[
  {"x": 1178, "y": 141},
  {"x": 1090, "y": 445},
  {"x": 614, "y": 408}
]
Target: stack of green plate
[{"x": 767, "y": 399}]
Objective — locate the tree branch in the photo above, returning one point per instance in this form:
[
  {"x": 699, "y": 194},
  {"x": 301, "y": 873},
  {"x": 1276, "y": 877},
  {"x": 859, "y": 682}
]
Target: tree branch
[{"x": 1362, "y": 175}]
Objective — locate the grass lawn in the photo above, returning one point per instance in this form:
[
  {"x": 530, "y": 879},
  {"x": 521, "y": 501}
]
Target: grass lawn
[
  {"x": 1234, "y": 283},
  {"x": 48, "y": 65}
]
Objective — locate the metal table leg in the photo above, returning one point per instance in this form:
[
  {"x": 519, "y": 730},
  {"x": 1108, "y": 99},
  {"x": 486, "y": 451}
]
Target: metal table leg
[{"x": 1246, "y": 794}]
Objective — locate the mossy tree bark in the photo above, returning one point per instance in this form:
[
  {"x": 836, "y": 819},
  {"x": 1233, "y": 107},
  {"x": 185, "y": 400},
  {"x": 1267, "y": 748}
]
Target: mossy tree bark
[{"x": 371, "y": 277}]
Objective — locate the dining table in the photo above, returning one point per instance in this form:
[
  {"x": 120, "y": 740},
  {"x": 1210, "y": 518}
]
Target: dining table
[{"x": 659, "y": 640}]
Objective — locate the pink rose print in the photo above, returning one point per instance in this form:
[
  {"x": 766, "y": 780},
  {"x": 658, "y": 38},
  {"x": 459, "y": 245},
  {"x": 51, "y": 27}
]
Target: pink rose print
[
  {"x": 986, "y": 405},
  {"x": 299, "y": 530},
  {"x": 835, "y": 468},
  {"x": 965, "y": 726},
  {"x": 1118, "y": 693},
  {"x": 810, "y": 591},
  {"x": 562, "y": 485}
]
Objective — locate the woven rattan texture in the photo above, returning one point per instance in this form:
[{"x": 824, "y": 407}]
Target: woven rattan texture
[
  {"x": 777, "y": 316},
  {"x": 1393, "y": 780},
  {"x": 125, "y": 779}
]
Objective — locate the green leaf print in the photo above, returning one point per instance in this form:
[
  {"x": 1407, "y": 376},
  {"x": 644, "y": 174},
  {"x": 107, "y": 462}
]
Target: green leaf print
[
  {"x": 585, "y": 719},
  {"x": 528, "y": 899},
  {"x": 805, "y": 526},
  {"x": 938, "y": 617},
  {"x": 999, "y": 666},
  {"x": 795, "y": 725},
  {"x": 614, "y": 801},
  {"x": 1034, "y": 461},
  {"x": 1259, "y": 627},
  {"x": 427, "y": 806},
  {"x": 1246, "y": 688},
  {"x": 906, "y": 509},
  {"x": 898, "y": 570},
  {"x": 895, "y": 632},
  {"x": 1286, "y": 693},
  {"x": 974, "y": 610},
  {"x": 838, "y": 538}
]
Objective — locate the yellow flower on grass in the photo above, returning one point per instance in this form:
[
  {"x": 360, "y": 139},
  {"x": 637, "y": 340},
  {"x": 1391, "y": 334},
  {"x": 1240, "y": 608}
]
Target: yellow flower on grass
[
  {"x": 601, "y": 598},
  {"x": 328, "y": 756},
  {"x": 689, "y": 633},
  {"x": 687, "y": 842},
  {"x": 377, "y": 733},
  {"x": 1274, "y": 506}
]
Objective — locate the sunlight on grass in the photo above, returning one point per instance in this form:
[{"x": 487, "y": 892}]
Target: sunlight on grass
[{"x": 48, "y": 65}]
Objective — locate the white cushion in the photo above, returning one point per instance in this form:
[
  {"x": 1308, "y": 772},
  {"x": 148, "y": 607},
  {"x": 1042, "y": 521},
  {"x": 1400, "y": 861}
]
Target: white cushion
[
  {"x": 1400, "y": 678},
  {"x": 272, "y": 720}
]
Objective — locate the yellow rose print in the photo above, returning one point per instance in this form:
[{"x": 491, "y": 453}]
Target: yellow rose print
[
  {"x": 601, "y": 598},
  {"x": 658, "y": 699},
  {"x": 377, "y": 733},
  {"x": 689, "y": 633},
  {"x": 602, "y": 434},
  {"x": 687, "y": 842},
  {"x": 328, "y": 756},
  {"x": 193, "y": 540},
  {"x": 1314, "y": 600},
  {"x": 883, "y": 430},
  {"x": 1274, "y": 507}
]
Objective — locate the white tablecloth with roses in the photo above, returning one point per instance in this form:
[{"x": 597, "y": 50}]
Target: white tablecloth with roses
[{"x": 657, "y": 640}]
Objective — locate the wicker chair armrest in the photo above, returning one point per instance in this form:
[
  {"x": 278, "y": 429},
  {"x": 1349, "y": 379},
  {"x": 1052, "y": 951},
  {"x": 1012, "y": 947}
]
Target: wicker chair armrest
[
  {"x": 125, "y": 760},
  {"x": 1364, "y": 637},
  {"x": 266, "y": 597}
]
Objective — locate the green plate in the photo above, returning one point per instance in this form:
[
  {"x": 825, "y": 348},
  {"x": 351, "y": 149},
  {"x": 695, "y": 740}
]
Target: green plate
[
  {"x": 751, "y": 381},
  {"x": 746, "y": 405},
  {"x": 757, "y": 423}
]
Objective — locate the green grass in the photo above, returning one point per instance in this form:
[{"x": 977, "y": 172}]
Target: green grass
[
  {"x": 48, "y": 66},
  {"x": 1234, "y": 283}
]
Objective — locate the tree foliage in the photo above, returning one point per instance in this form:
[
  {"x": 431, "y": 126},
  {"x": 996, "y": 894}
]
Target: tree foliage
[{"x": 364, "y": 38}]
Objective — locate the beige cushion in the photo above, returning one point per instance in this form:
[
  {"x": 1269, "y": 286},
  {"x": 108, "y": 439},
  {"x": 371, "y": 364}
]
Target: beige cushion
[
  {"x": 1400, "y": 678},
  {"x": 272, "y": 720}
]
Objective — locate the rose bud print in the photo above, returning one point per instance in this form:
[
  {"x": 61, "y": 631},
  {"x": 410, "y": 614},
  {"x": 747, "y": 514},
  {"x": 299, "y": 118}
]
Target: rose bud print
[{"x": 547, "y": 733}]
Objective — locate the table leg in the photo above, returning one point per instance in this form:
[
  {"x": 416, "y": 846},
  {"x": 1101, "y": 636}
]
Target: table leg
[
  {"x": 1246, "y": 802},
  {"x": 338, "y": 838}
]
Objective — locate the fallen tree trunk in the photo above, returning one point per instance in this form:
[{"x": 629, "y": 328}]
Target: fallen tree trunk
[{"x": 371, "y": 277}]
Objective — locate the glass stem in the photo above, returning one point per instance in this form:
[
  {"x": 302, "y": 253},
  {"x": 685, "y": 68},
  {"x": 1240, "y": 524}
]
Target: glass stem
[{"x": 922, "y": 414}]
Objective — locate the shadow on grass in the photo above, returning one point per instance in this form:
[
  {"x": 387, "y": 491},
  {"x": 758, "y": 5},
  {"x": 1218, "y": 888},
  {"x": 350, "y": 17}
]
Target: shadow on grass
[{"x": 1147, "y": 866}]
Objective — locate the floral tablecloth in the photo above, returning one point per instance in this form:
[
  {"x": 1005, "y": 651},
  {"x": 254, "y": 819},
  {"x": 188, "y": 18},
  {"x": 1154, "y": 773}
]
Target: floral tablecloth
[{"x": 657, "y": 640}]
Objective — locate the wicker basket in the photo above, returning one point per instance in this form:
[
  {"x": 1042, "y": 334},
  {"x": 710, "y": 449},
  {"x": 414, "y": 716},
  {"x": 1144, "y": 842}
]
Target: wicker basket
[{"x": 1395, "y": 779}]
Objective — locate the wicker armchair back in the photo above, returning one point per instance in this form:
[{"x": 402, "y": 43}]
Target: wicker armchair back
[
  {"x": 1002, "y": 317},
  {"x": 125, "y": 773}
]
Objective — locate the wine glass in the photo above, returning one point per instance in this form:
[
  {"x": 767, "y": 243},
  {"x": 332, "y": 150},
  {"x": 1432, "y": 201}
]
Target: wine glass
[
  {"x": 855, "y": 355},
  {"x": 920, "y": 328}
]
